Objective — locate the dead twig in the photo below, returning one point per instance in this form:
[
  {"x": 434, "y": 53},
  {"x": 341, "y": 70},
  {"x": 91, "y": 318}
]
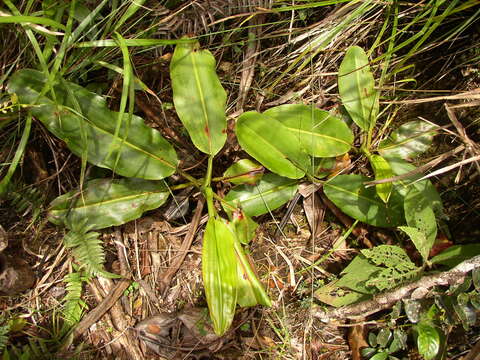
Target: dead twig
[
  {"x": 250, "y": 58},
  {"x": 474, "y": 354},
  {"x": 388, "y": 299},
  {"x": 187, "y": 242},
  {"x": 419, "y": 170},
  {"x": 469, "y": 95},
  {"x": 93, "y": 316},
  {"x": 119, "y": 320}
]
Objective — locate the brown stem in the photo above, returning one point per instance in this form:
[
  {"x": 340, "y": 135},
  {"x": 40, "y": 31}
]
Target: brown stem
[{"x": 386, "y": 300}]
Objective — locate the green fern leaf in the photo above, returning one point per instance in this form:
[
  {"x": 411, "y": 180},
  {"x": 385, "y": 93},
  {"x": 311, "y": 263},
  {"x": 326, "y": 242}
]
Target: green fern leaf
[
  {"x": 4, "y": 330},
  {"x": 88, "y": 251},
  {"x": 74, "y": 305},
  {"x": 25, "y": 199}
]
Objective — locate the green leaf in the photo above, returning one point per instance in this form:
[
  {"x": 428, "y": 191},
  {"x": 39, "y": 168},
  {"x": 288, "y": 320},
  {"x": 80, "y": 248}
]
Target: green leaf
[
  {"x": 199, "y": 97},
  {"x": 428, "y": 340},
  {"x": 250, "y": 289},
  {"x": 244, "y": 171},
  {"x": 419, "y": 214},
  {"x": 409, "y": 140},
  {"x": 271, "y": 192},
  {"x": 456, "y": 254},
  {"x": 361, "y": 203},
  {"x": 357, "y": 273},
  {"x": 107, "y": 202},
  {"x": 323, "y": 166},
  {"x": 220, "y": 278},
  {"x": 476, "y": 278},
  {"x": 319, "y": 133},
  {"x": 380, "y": 356},
  {"x": 413, "y": 310},
  {"x": 399, "y": 341},
  {"x": 332, "y": 295},
  {"x": 425, "y": 187},
  {"x": 384, "y": 336},
  {"x": 272, "y": 144},
  {"x": 357, "y": 88},
  {"x": 88, "y": 251},
  {"x": 389, "y": 256},
  {"x": 354, "y": 278},
  {"x": 466, "y": 315},
  {"x": 368, "y": 352},
  {"x": 243, "y": 226},
  {"x": 395, "y": 266},
  {"x": 419, "y": 240},
  {"x": 382, "y": 170},
  {"x": 136, "y": 151},
  {"x": 372, "y": 339}
]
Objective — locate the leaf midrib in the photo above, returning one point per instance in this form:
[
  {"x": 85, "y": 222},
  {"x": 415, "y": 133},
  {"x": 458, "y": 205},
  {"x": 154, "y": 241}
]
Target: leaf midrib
[
  {"x": 202, "y": 101},
  {"x": 110, "y": 201},
  {"x": 298, "y": 130},
  {"x": 124, "y": 142}
]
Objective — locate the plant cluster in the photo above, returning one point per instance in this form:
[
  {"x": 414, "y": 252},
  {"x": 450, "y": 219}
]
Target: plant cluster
[{"x": 294, "y": 142}]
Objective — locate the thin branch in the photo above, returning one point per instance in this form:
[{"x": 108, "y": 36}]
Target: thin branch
[
  {"x": 386, "y": 300},
  {"x": 419, "y": 170},
  {"x": 186, "y": 244}
]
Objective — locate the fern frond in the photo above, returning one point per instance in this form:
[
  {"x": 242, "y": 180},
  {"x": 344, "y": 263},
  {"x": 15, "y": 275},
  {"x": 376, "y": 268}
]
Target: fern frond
[
  {"x": 4, "y": 330},
  {"x": 88, "y": 251},
  {"x": 74, "y": 305},
  {"x": 25, "y": 199}
]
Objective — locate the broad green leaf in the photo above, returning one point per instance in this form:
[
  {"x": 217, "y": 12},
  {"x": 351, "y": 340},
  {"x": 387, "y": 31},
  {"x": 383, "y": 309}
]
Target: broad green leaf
[
  {"x": 372, "y": 339},
  {"x": 428, "y": 340},
  {"x": 475, "y": 300},
  {"x": 390, "y": 256},
  {"x": 456, "y": 254},
  {"x": 465, "y": 313},
  {"x": 425, "y": 187},
  {"x": 137, "y": 150},
  {"x": 220, "y": 277},
  {"x": 361, "y": 203},
  {"x": 356, "y": 275},
  {"x": 394, "y": 266},
  {"x": 319, "y": 133},
  {"x": 382, "y": 170},
  {"x": 357, "y": 88},
  {"x": 419, "y": 214},
  {"x": 244, "y": 171},
  {"x": 384, "y": 336},
  {"x": 272, "y": 144},
  {"x": 409, "y": 140},
  {"x": 271, "y": 192},
  {"x": 380, "y": 356},
  {"x": 351, "y": 287},
  {"x": 399, "y": 341},
  {"x": 199, "y": 97},
  {"x": 333, "y": 295},
  {"x": 419, "y": 240},
  {"x": 107, "y": 202},
  {"x": 413, "y": 310}
]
